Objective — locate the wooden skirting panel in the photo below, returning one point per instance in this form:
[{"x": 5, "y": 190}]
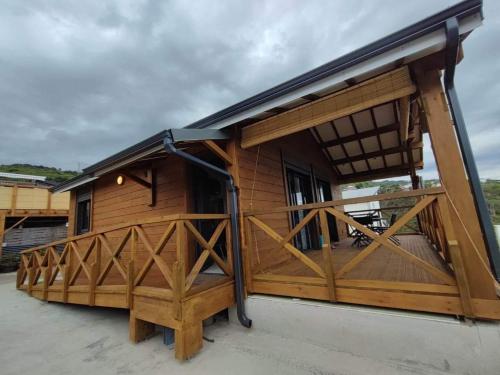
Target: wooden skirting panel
[{"x": 437, "y": 303}]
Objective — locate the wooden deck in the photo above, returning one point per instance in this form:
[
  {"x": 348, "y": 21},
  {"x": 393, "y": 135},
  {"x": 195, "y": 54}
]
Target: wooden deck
[
  {"x": 421, "y": 272},
  {"x": 382, "y": 265},
  {"x": 126, "y": 267}
]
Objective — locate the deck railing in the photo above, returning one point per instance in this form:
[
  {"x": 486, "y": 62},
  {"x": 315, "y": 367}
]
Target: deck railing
[
  {"x": 431, "y": 209},
  {"x": 122, "y": 257}
]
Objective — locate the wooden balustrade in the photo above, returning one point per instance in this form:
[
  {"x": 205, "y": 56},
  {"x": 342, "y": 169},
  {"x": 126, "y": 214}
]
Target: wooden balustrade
[
  {"x": 329, "y": 276},
  {"x": 86, "y": 261}
]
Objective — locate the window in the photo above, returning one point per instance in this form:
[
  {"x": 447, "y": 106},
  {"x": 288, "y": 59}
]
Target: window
[{"x": 83, "y": 201}]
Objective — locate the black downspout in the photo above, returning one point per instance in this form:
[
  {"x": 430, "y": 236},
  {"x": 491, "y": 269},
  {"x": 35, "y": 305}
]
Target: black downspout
[
  {"x": 452, "y": 50},
  {"x": 238, "y": 270}
]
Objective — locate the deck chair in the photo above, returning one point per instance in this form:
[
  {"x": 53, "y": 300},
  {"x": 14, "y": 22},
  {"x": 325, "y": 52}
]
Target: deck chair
[
  {"x": 382, "y": 229},
  {"x": 361, "y": 239}
]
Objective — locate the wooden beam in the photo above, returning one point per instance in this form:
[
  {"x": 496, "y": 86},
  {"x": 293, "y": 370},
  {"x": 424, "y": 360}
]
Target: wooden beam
[
  {"x": 137, "y": 179},
  {"x": 214, "y": 147},
  {"x": 16, "y": 224},
  {"x": 395, "y": 171},
  {"x": 384, "y": 88},
  {"x": 404, "y": 113},
  {"x": 454, "y": 179},
  {"x": 361, "y": 135},
  {"x": 370, "y": 155}
]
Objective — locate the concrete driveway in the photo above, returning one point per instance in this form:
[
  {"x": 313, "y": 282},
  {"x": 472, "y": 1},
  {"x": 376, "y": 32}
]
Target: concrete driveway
[{"x": 49, "y": 338}]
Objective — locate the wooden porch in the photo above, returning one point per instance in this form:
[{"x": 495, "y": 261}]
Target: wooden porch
[
  {"x": 139, "y": 266},
  {"x": 422, "y": 271}
]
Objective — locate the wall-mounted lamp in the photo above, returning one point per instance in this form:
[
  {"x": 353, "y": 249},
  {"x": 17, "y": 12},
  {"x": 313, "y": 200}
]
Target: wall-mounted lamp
[{"x": 120, "y": 180}]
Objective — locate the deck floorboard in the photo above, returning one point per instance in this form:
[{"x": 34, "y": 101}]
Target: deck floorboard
[{"x": 383, "y": 264}]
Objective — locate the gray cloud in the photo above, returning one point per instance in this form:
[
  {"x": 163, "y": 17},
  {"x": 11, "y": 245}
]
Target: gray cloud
[{"x": 82, "y": 80}]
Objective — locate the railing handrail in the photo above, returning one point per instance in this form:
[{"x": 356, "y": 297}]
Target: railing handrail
[
  {"x": 155, "y": 220},
  {"x": 343, "y": 202}
]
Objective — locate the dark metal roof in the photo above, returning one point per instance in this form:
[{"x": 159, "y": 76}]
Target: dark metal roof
[{"x": 427, "y": 25}]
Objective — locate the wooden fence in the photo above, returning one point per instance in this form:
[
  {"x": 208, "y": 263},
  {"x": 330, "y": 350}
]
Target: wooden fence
[{"x": 330, "y": 279}]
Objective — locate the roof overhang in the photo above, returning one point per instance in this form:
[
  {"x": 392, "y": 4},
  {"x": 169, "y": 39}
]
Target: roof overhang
[{"x": 148, "y": 147}]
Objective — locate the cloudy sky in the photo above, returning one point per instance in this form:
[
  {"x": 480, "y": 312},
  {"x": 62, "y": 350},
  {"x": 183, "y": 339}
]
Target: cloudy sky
[{"x": 80, "y": 80}]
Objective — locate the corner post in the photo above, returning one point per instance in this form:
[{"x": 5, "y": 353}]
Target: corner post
[{"x": 454, "y": 179}]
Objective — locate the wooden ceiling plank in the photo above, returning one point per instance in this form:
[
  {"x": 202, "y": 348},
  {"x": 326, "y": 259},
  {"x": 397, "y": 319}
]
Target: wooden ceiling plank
[{"x": 361, "y": 135}]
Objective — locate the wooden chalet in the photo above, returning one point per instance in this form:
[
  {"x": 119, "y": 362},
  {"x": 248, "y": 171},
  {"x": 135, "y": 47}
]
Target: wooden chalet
[
  {"x": 26, "y": 202},
  {"x": 190, "y": 221}
]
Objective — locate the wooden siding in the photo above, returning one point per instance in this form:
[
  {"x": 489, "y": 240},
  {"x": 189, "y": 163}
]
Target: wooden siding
[
  {"x": 113, "y": 204},
  {"x": 262, "y": 186}
]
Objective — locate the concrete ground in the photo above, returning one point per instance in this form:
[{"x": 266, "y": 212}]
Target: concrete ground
[{"x": 50, "y": 338}]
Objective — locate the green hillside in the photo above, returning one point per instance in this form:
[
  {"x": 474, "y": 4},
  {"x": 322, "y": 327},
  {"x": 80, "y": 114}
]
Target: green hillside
[{"x": 52, "y": 174}]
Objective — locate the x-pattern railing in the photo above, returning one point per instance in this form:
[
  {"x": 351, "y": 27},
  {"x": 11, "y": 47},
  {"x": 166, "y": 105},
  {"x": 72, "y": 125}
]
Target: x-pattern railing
[
  {"x": 426, "y": 209},
  {"x": 78, "y": 259}
]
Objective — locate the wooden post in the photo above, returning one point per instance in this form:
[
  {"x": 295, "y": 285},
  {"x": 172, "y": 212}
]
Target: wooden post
[
  {"x": 455, "y": 252},
  {"x": 67, "y": 272},
  {"x": 2, "y": 230},
  {"x": 178, "y": 288},
  {"x": 139, "y": 330},
  {"x": 327, "y": 255},
  {"x": 47, "y": 274},
  {"x": 31, "y": 277},
  {"x": 247, "y": 256},
  {"x": 20, "y": 272},
  {"x": 98, "y": 255},
  {"x": 188, "y": 340},
  {"x": 229, "y": 246},
  {"x": 130, "y": 284},
  {"x": 181, "y": 244},
  {"x": 454, "y": 179}
]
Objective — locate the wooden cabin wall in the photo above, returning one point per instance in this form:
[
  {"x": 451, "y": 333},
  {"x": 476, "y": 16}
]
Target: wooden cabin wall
[
  {"x": 262, "y": 186},
  {"x": 114, "y": 204}
]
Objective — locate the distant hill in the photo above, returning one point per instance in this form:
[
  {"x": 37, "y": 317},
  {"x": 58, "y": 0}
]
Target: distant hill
[{"x": 52, "y": 174}]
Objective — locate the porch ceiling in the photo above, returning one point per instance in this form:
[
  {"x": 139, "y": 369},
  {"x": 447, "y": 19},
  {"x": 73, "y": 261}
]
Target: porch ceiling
[{"x": 371, "y": 143}]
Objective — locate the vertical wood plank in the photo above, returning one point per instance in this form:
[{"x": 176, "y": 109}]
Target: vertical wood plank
[
  {"x": 247, "y": 256},
  {"x": 327, "y": 255}
]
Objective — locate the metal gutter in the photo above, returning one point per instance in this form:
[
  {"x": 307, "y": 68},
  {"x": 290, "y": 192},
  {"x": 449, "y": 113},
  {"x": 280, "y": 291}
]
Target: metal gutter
[
  {"x": 169, "y": 144},
  {"x": 390, "y": 42},
  {"x": 452, "y": 50}
]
